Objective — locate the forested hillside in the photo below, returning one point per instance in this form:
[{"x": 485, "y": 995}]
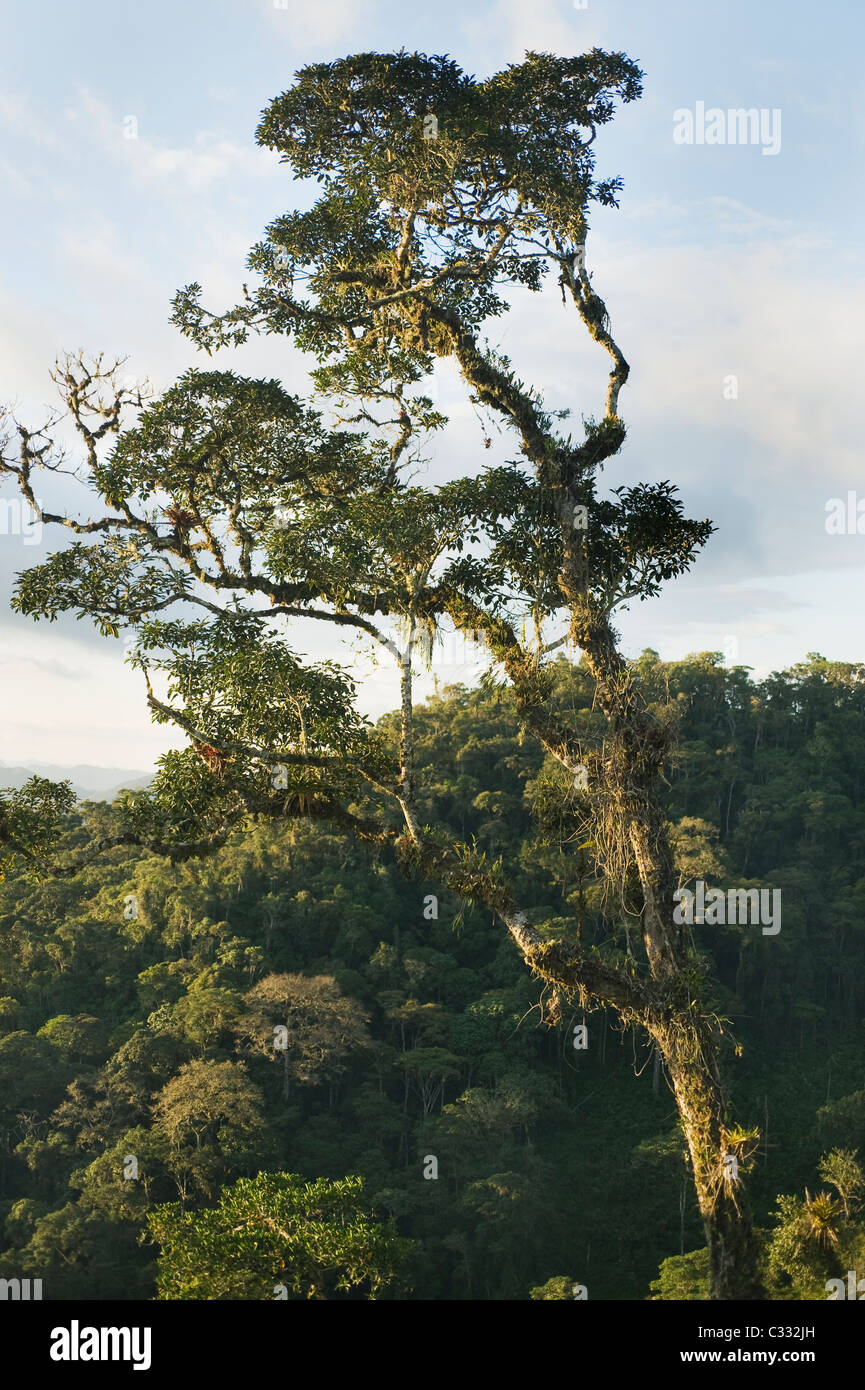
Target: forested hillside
[{"x": 140, "y": 998}]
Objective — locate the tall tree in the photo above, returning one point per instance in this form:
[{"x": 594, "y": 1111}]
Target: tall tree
[
  {"x": 306, "y": 1022},
  {"x": 234, "y": 504},
  {"x": 209, "y": 1115}
]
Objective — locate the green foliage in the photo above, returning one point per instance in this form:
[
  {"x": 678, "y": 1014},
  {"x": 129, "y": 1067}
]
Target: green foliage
[
  {"x": 683, "y": 1278},
  {"x": 418, "y": 1017},
  {"x": 30, "y": 819},
  {"x": 841, "y": 1170},
  {"x": 560, "y": 1286},
  {"x": 315, "y": 1239},
  {"x": 812, "y": 1242}
]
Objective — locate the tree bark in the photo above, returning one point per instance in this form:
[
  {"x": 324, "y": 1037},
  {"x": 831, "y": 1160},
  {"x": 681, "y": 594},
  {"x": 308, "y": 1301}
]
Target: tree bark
[{"x": 690, "y": 1054}]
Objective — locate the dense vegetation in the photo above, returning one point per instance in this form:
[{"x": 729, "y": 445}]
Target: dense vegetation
[{"x": 140, "y": 1000}]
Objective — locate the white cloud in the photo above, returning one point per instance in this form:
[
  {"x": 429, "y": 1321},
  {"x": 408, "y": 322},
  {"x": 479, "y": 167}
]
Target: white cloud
[
  {"x": 316, "y": 23},
  {"x": 507, "y": 29},
  {"x": 770, "y": 311},
  {"x": 67, "y": 704},
  {"x": 208, "y": 159},
  {"x": 19, "y": 113}
]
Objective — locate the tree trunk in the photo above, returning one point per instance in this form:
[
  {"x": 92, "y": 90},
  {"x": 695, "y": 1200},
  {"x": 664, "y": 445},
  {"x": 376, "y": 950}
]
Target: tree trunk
[
  {"x": 685, "y": 1036},
  {"x": 690, "y": 1055}
]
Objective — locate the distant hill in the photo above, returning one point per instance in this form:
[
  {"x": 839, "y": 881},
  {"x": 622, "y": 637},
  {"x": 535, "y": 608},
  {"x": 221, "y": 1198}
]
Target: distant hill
[{"x": 89, "y": 783}]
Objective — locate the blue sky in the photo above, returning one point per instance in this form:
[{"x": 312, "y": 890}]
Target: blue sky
[{"x": 721, "y": 261}]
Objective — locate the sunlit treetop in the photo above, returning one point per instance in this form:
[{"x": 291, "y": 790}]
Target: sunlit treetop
[{"x": 433, "y": 183}]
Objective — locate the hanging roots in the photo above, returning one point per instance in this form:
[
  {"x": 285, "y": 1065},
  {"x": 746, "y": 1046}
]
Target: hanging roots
[
  {"x": 621, "y": 779},
  {"x": 551, "y": 1008}
]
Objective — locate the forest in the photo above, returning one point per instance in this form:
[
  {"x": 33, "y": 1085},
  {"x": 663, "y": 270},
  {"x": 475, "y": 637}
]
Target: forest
[
  {"x": 439, "y": 1004},
  {"x": 474, "y": 1142}
]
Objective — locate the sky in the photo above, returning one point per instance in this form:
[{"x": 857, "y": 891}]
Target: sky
[{"x": 732, "y": 273}]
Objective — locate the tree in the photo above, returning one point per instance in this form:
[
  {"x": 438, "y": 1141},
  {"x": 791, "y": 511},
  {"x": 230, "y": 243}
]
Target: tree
[
  {"x": 427, "y": 1071},
  {"x": 304, "y": 1021},
  {"x": 235, "y": 505},
  {"x": 77, "y": 1037},
  {"x": 841, "y": 1169},
  {"x": 559, "y": 1287},
  {"x": 683, "y": 1278},
  {"x": 273, "y": 1236},
  {"x": 210, "y": 1116}
]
